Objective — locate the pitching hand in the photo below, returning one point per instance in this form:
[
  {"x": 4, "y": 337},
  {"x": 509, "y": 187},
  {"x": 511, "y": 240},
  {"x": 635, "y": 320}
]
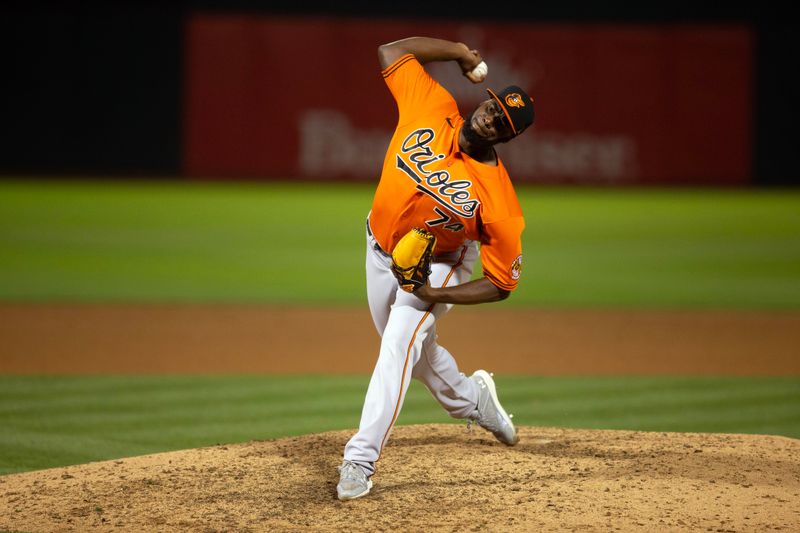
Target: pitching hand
[{"x": 469, "y": 60}]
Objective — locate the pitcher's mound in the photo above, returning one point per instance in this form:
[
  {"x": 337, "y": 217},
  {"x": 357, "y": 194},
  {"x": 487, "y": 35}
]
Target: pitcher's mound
[{"x": 431, "y": 477}]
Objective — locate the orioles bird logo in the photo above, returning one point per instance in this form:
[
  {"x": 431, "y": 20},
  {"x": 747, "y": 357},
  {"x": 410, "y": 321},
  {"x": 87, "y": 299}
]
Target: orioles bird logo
[
  {"x": 516, "y": 267},
  {"x": 515, "y": 100}
]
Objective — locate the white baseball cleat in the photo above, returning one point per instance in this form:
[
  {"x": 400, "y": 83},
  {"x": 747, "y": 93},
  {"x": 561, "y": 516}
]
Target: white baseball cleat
[
  {"x": 353, "y": 482},
  {"x": 489, "y": 414}
]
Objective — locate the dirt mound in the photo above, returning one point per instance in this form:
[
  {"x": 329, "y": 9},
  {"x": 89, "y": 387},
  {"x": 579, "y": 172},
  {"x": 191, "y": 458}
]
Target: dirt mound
[{"x": 431, "y": 477}]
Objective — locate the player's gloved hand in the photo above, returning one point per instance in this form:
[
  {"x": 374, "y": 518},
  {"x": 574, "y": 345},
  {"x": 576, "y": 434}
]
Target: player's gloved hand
[{"x": 411, "y": 259}]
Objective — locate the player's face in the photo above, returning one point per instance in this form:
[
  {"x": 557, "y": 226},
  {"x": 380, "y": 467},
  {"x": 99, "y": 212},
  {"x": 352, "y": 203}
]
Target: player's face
[{"x": 490, "y": 123}]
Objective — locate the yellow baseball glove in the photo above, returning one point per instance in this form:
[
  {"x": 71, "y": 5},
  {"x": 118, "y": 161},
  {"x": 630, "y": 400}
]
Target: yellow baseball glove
[{"x": 411, "y": 259}]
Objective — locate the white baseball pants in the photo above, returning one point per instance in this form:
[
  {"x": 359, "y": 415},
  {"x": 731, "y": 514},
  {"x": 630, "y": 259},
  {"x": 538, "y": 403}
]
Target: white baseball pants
[{"x": 407, "y": 326}]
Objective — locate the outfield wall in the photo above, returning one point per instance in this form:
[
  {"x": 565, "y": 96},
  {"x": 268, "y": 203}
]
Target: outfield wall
[{"x": 303, "y": 97}]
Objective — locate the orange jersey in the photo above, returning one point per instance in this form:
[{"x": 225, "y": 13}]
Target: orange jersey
[{"x": 428, "y": 182}]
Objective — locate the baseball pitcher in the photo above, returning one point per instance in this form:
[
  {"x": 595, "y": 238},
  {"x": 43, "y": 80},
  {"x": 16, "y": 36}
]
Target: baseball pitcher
[{"x": 443, "y": 192}]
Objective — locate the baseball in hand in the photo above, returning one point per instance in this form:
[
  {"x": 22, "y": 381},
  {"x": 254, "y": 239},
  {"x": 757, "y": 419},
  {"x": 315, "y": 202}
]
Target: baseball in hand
[{"x": 480, "y": 71}]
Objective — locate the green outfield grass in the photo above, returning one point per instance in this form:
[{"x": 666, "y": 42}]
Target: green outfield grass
[
  {"x": 56, "y": 421},
  {"x": 303, "y": 244}
]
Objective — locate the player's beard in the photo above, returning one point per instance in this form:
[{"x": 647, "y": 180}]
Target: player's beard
[{"x": 472, "y": 136}]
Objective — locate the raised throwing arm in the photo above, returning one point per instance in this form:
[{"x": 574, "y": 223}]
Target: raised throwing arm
[{"x": 427, "y": 49}]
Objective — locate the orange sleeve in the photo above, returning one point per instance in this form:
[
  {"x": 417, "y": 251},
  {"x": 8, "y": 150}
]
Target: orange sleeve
[
  {"x": 417, "y": 94},
  {"x": 501, "y": 252}
]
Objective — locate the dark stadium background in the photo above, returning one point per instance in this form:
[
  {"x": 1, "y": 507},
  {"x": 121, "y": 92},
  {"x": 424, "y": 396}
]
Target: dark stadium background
[{"x": 94, "y": 89}]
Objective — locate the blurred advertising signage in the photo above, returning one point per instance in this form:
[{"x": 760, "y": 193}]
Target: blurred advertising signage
[{"x": 279, "y": 98}]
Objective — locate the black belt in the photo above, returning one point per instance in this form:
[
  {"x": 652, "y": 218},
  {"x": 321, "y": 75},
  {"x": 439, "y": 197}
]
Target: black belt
[{"x": 376, "y": 245}]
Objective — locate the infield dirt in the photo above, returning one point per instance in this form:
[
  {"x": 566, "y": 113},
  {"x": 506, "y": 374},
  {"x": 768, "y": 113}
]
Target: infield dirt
[
  {"x": 432, "y": 477},
  {"x": 152, "y": 339}
]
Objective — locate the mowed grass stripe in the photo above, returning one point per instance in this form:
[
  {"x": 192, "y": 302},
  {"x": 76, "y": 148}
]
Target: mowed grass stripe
[
  {"x": 119, "y": 416},
  {"x": 176, "y": 241},
  {"x": 281, "y": 243},
  {"x": 747, "y": 405},
  {"x": 53, "y": 421},
  {"x": 721, "y": 390},
  {"x": 663, "y": 247},
  {"x": 172, "y": 400},
  {"x": 130, "y": 394}
]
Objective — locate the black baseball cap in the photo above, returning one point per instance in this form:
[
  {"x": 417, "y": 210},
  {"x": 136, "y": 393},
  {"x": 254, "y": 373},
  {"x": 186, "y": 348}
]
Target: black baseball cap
[{"x": 517, "y": 106}]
